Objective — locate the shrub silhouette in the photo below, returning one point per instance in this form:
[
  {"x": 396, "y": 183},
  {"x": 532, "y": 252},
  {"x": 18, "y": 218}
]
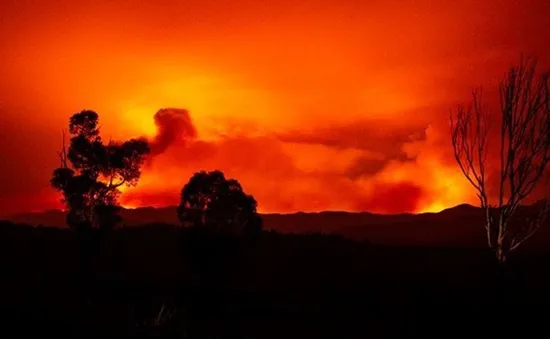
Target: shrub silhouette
[
  {"x": 90, "y": 182},
  {"x": 211, "y": 201}
]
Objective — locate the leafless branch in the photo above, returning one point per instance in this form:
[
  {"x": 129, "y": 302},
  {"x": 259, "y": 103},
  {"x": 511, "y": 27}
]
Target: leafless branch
[{"x": 524, "y": 149}]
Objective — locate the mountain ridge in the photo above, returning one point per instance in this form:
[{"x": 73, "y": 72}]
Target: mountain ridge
[
  {"x": 18, "y": 217},
  {"x": 461, "y": 225}
]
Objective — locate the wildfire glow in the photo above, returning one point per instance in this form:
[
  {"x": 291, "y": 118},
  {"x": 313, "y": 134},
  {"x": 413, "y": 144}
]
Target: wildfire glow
[{"x": 321, "y": 105}]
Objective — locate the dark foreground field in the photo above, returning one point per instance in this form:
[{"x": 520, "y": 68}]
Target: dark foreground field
[{"x": 164, "y": 282}]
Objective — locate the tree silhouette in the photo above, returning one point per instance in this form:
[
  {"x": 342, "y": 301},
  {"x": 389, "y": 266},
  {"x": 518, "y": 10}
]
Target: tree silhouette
[
  {"x": 91, "y": 173},
  {"x": 210, "y": 200},
  {"x": 524, "y": 152}
]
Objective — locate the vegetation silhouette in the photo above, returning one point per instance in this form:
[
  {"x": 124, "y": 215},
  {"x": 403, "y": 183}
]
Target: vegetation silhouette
[
  {"x": 91, "y": 173},
  {"x": 222, "y": 276},
  {"x": 218, "y": 214},
  {"x": 523, "y": 148},
  {"x": 210, "y": 200},
  {"x": 89, "y": 178}
]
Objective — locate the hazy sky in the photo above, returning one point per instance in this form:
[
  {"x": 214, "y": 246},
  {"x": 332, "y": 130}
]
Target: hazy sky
[{"x": 311, "y": 105}]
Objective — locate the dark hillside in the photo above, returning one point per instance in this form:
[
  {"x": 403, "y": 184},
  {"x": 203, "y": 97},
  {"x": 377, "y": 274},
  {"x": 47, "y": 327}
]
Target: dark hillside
[
  {"x": 157, "y": 280},
  {"x": 460, "y": 226}
]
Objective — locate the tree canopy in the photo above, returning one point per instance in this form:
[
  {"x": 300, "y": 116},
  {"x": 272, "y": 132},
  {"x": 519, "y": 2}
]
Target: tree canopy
[
  {"x": 91, "y": 172},
  {"x": 212, "y": 201}
]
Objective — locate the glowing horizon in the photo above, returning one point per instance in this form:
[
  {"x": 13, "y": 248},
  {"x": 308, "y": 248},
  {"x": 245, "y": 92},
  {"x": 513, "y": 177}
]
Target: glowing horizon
[{"x": 322, "y": 105}]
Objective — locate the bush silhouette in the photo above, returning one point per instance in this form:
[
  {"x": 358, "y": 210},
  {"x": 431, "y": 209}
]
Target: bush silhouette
[{"x": 218, "y": 204}]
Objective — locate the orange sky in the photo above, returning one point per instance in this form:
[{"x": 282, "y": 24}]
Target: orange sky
[{"x": 311, "y": 105}]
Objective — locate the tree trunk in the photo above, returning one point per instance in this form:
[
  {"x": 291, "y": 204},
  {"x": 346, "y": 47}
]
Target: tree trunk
[
  {"x": 501, "y": 256},
  {"x": 501, "y": 252}
]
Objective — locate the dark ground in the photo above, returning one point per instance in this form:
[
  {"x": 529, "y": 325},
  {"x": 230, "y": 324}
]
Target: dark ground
[{"x": 166, "y": 282}]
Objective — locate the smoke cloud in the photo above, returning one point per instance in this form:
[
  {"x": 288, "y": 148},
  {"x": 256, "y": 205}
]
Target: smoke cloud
[
  {"x": 361, "y": 125},
  {"x": 369, "y": 169},
  {"x": 173, "y": 125}
]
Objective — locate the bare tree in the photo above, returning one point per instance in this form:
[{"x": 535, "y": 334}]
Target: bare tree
[{"x": 524, "y": 142}]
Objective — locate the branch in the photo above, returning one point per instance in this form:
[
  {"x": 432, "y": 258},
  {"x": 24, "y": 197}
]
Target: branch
[
  {"x": 526, "y": 126},
  {"x": 111, "y": 185},
  {"x": 63, "y": 153},
  {"x": 469, "y": 132},
  {"x": 534, "y": 225}
]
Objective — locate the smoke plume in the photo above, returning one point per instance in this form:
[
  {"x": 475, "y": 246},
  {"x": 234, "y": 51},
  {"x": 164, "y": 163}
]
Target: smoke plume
[{"x": 173, "y": 125}]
